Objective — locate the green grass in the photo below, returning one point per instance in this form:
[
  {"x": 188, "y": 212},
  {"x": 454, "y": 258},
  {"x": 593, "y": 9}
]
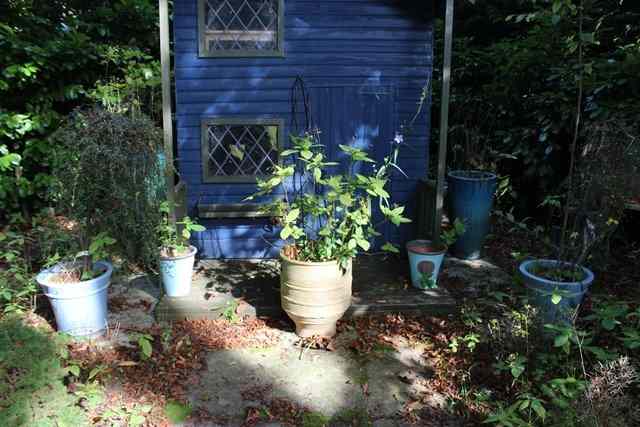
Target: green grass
[
  {"x": 32, "y": 374},
  {"x": 315, "y": 419}
]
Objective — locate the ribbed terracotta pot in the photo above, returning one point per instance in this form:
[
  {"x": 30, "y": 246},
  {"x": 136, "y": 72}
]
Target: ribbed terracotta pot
[{"x": 314, "y": 295}]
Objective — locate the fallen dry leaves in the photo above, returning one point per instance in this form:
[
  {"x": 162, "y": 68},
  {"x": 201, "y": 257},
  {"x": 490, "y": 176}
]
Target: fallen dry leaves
[
  {"x": 221, "y": 334},
  {"x": 175, "y": 363}
]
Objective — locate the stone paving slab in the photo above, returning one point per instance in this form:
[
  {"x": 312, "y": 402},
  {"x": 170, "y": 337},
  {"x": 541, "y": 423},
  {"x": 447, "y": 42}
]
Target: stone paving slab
[
  {"x": 465, "y": 278},
  {"x": 335, "y": 384}
]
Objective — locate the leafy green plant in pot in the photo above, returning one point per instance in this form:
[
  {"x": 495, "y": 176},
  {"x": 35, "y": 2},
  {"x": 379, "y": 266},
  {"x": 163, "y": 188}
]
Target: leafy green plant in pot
[
  {"x": 77, "y": 275},
  {"x": 426, "y": 256},
  {"x": 115, "y": 157},
  {"x": 326, "y": 215},
  {"x": 177, "y": 256},
  {"x": 76, "y": 284}
]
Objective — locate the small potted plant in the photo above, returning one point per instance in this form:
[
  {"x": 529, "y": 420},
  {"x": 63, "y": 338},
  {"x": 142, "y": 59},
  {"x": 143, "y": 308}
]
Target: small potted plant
[
  {"x": 177, "y": 256},
  {"x": 426, "y": 256},
  {"x": 326, "y": 219},
  {"x": 77, "y": 287}
]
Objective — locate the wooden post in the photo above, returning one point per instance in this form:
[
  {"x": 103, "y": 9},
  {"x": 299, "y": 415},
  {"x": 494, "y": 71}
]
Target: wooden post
[
  {"x": 444, "y": 120},
  {"x": 167, "y": 122}
]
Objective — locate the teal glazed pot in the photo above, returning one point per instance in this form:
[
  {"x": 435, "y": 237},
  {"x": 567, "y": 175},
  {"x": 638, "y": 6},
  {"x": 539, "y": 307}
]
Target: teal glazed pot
[
  {"x": 425, "y": 261},
  {"x": 80, "y": 308},
  {"x": 540, "y": 291},
  {"x": 176, "y": 273},
  {"x": 470, "y": 199}
]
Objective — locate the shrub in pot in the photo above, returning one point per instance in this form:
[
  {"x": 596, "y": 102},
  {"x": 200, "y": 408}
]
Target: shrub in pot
[
  {"x": 76, "y": 287},
  {"x": 591, "y": 207},
  {"x": 118, "y": 156},
  {"x": 177, "y": 256},
  {"x": 326, "y": 214},
  {"x": 426, "y": 256}
]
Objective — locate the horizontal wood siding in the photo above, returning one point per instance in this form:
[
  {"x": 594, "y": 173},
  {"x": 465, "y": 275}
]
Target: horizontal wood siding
[{"x": 328, "y": 43}]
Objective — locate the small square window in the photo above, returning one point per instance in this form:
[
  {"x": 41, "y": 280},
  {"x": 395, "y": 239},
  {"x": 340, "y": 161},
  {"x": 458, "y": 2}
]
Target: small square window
[
  {"x": 240, "y": 150},
  {"x": 240, "y": 27}
]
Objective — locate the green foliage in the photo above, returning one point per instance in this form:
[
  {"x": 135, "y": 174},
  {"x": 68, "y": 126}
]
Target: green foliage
[
  {"x": 174, "y": 237},
  {"x": 32, "y": 389},
  {"x": 325, "y": 215},
  {"x": 58, "y": 55},
  {"x": 177, "y": 412},
  {"x": 123, "y": 415},
  {"x": 427, "y": 282},
  {"x": 551, "y": 376},
  {"x": 230, "y": 312},
  {"x": 108, "y": 179},
  {"x": 90, "y": 393},
  {"x": 315, "y": 419},
  {"x": 145, "y": 346},
  {"x": 17, "y": 286},
  {"x": 514, "y": 85},
  {"x": 452, "y": 234},
  {"x": 470, "y": 341},
  {"x": 609, "y": 314}
]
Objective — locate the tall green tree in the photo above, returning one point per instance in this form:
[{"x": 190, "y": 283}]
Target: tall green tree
[
  {"x": 55, "y": 56},
  {"x": 514, "y": 83}
]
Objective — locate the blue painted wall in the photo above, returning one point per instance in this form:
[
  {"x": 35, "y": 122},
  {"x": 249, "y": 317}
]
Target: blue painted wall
[{"x": 365, "y": 63}]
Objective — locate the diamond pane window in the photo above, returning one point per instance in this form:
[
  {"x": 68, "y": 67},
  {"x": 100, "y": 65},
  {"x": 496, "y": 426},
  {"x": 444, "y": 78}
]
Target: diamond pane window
[
  {"x": 240, "y": 27},
  {"x": 239, "y": 151}
]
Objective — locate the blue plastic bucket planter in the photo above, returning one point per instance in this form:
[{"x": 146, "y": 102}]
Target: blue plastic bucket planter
[
  {"x": 176, "y": 273},
  {"x": 80, "y": 308},
  {"x": 541, "y": 291},
  {"x": 470, "y": 198},
  {"x": 425, "y": 260}
]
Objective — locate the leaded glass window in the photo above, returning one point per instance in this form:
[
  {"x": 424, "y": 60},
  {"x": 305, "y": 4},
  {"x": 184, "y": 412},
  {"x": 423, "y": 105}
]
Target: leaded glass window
[
  {"x": 239, "y": 151},
  {"x": 241, "y": 27}
]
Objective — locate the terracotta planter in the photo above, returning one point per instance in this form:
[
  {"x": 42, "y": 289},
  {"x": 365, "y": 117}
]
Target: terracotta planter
[{"x": 314, "y": 295}]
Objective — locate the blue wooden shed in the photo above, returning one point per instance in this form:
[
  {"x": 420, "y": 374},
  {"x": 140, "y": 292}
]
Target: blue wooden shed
[{"x": 250, "y": 72}]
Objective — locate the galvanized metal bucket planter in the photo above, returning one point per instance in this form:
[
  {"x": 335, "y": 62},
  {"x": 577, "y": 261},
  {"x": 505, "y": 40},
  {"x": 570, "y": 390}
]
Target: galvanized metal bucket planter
[
  {"x": 541, "y": 291},
  {"x": 425, "y": 260},
  {"x": 80, "y": 308},
  {"x": 470, "y": 198},
  {"x": 314, "y": 294},
  {"x": 176, "y": 273}
]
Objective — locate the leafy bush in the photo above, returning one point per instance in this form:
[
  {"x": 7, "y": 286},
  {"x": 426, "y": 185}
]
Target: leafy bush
[
  {"x": 328, "y": 215},
  {"x": 514, "y": 84},
  {"x": 109, "y": 179},
  {"x": 578, "y": 374}
]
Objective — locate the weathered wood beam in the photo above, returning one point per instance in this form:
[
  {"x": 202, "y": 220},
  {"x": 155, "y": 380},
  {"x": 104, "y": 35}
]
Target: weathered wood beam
[
  {"x": 444, "y": 120},
  {"x": 167, "y": 122}
]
